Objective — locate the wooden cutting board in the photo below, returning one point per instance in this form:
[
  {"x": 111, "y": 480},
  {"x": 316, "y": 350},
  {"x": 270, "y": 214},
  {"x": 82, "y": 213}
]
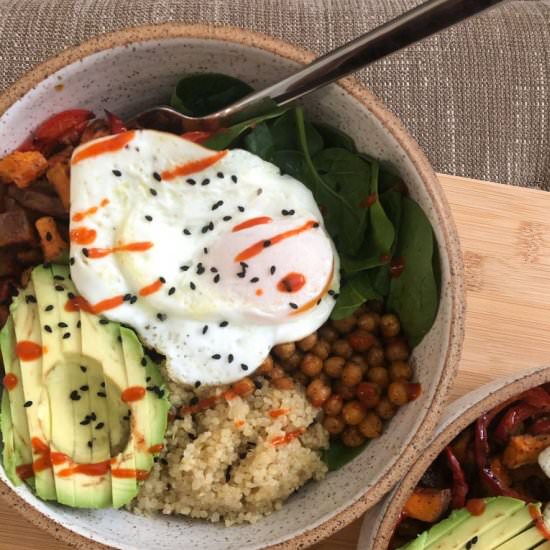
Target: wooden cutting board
[{"x": 505, "y": 234}]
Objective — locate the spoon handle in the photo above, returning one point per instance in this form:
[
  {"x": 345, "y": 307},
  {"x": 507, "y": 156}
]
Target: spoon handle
[{"x": 412, "y": 26}]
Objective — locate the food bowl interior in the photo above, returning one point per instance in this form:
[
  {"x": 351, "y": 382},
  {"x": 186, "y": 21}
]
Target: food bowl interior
[{"x": 128, "y": 78}]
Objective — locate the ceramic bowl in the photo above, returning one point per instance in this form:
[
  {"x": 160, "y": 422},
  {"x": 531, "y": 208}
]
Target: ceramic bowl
[
  {"x": 380, "y": 521},
  {"x": 133, "y": 69}
]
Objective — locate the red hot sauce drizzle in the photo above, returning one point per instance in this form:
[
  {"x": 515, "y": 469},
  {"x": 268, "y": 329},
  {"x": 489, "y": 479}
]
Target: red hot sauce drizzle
[
  {"x": 260, "y": 220},
  {"x": 95, "y": 253},
  {"x": 133, "y": 393},
  {"x": 151, "y": 289},
  {"x": 79, "y": 303},
  {"x": 475, "y": 506},
  {"x": 28, "y": 351},
  {"x": 291, "y": 282},
  {"x": 110, "y": 145},
  {"x": 538, "y": 519},
  {"x": 79, "y": 216},
  {"x": 193, "y": 166},
  {"x": 397, "y": 267},
  {"x": 83, "y": 235},
  {"x": 10, "y": 381}
]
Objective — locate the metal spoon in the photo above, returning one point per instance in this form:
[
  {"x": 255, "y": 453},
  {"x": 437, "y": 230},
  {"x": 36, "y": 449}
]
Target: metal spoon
[{"x": 416, "y": 24}]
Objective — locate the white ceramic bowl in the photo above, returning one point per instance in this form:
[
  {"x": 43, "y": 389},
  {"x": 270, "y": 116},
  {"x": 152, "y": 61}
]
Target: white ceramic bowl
[
  {"x": 380, "y": 521},
  {"x": 137, "y": 68}
]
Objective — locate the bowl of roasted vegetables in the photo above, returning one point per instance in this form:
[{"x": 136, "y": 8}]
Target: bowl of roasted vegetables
[{"x": 484, "y": 479}]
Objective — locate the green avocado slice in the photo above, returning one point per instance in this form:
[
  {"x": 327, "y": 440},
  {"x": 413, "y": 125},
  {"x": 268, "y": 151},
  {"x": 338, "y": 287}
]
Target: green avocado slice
[{"x": 9, "y": 454}]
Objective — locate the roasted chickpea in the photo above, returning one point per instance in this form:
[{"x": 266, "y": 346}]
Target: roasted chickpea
[
  {"x": 333, "y": 405},
  {"x": 321, "y": 349},
  {"x": 389, "y": 325},
  {"x": 326, "y": 332},
  {"x": 343, "y": 326},
  {"x": 346, "y": 392},
  {"x": 361, "y": 340},
  {"x": 305, "y": 344},
  {"x": 284, "y": 351},
  {"x": 276, "y": 372},
  {"x": 293, "y": 362},
  {"x": 398, "y": 393},
  {"x": 375, "y": 357},
  {"x": 353, "y": 412},
  {"x": 334, "y": 424},
  {"x": 359, "y": 360},
  {"x": 325, "y": 379},
  {"x": 318, "y": 392},
  {"x": 352, "y": 437},
  {"x": 369, "y": 321},
  {"x": 283, "y": 383},
  {"x": 244, "y": 387},
  {"x": 397, "y": 350},
  {"x": 300, "y": 377},
  {"x": 379, "y": 375},
  {"x": 333, "y": 366},
  {"x": 371, "y": 426},
  {"x": 400, "y": 370},
  {"x": 352, "y": 374},
  {"x": 368, "y": 394},
  {"x": 311, "y": 365},
  {"x": 266, "y": 366},
  {"x": 385, "y": 409},
  {"x": 342, "y": 348}
]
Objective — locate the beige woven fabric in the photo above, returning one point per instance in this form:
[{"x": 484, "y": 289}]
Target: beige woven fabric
[{"x": 476, "y": 97}]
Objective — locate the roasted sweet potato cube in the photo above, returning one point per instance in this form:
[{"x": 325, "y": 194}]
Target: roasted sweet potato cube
[
  {"x": 8, "y": 264},
  {"x": 428, "y": 504},
  {"x": 15, "y": 228},
  {"x": 22, "y": 168},
  {"x": 524, "y": 449},
  {"x": 58, "y": 176},
  {"x": 38, "y": 201},
  {"x": 51, "y": 241}
]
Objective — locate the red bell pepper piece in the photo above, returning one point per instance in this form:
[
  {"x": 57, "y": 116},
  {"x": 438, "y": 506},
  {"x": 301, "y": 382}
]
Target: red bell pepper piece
[
  {"x": 460, "y": 488},
  {"x": 512, "y": 419},
  {"x": 116, "y": 124},
  {"x": 540, "y": 427},
  {"x": 537, "y": 397},
  {"x": 497, "y": 485},
  {"x": 61, "y": 128}
]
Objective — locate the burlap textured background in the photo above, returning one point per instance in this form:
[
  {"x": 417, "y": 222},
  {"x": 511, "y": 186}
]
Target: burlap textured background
[{"x": 476, "y": 97}]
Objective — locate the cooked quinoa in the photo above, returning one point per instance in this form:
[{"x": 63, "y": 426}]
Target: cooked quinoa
[{"x": 238, "y": 459}]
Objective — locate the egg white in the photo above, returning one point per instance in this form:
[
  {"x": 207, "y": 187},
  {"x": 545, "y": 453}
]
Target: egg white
[{"x": 212, "y": 325}]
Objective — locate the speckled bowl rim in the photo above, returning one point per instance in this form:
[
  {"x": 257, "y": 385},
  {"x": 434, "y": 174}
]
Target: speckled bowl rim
[
  {"x": 414, "y": 154},
  {"x": 458, "y": 416}
]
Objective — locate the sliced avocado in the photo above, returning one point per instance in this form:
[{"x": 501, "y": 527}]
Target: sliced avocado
[
  {"x": 524, "y": 541},
  {"x": 518, "y": 522},
  {"x": 27, "y": 332},
  {"x": 419, "y": 543},
  {"x": 13, "y": 411},
  {"x": 159, "y": 404},
  {"x": 9, "y": 454}
]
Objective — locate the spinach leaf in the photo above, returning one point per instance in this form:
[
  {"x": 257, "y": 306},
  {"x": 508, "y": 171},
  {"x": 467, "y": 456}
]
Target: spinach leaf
[
  {"x": 413, "y": 294},
  {"x": 352, "y": 295},
  {"x": 367, "y": 259},
  {"x": 338, "y": 455},
  {"x": 333, "y": 137},
  {"x": 260, "y": 141},
  {"x": 205, "y": 93},
  {"x": 285, "y": 134},
  {"x": 382, "y": 232},
  {"x": 292, "y": 163},
  {"x": 225, "y": 137}
]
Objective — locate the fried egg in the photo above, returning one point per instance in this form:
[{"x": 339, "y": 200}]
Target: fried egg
[{"x": 212, "y": 257}]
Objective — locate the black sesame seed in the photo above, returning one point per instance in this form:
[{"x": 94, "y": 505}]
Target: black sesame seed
[
  {"x": 99, "y": 425},
  {"x": 335, "y": 297},
  {"x": 48, "y": 308},
  {"x": 192, "y": 285},
  {"x": 70, "y": 295},
  {"x": 217, "y": 278},
  {"x": 228, "y": 473},
  {"x": 66, "y": 335},
  {"x": 161, "y": 316},
  {"x": 224, "y": 324},
  {"x": 230, "y": 358},
  {"x": 244, "y": 367},
  {"x": 134, "y": 299},
  {"x": 153, "y": 192},
  {"x": 157, "y": 176},
  {"x": 49, "y": 236},
  {"x": 86, "y": 421},
  {"x": 47, "y": 328},
  {"x": 119, "y": 338},
  {"x": 259, "y": 191},
  {"x": 220, "y": 174},
  {"x": 267, "y": 243},
  {"x": 62, "y": 325},
  {"x": 59, "y": 288},
  {"x": 319, "y": 301},
  {"x": 331, "y": 292},
  {"x": 291, "y": 212},
  {"x": 240, "y": 208},
  {"x": 211, "y": 226},
  {"x": 258, "y": 384},
  {"x": 200, "y": 269},
  {"x": 149, "y": 218},
  {"x": 162, "y": 280},
  {"x": 102, "y": 384},
  {"x": 104, "y": 321},
  {"x": 159, "y": 392},
  {"x": 30, "y": 299},
  {"x": 117, "y": 173},
  {"x": 213, "y": 270},
  {"x": 315, "y": 225},
  {"x": 27, "y": 404},
  {"x": 190, "y": 181},
  {"x": 127, "y": 297},
  {"x": 243, "y": 264},
  {"x": 254, "y": 279},
  {"x": 272, "y": 270},
  {"x": 204, "y": 229},
  {"x": 216, "y": 356},
  {"x": 184, "y": 267},
  {"x": 143, "y": 362},
  {"x": 241, "y": 274},
  {"x": 204, "y": 329},
  {"x": 198, "y": 384},
  {"x": 90, "y": 444},
  {"x": 84, "y": 388},
  {"x": 101, "y": 394},
  {"x": 205, "y": 250},
  {"x": 85, "y": 252},
  {"x": 186, "y": 232},
  {"x": 293, "y": 305},
  {"x": 234, "y": 179},
  {"x": 226, "y": 218},
  {"x": 74, "y": 395},
  {"x": 194, "y": 401},
  {"x": 72, "y": 261},
  {"x": 83, "y": 368},
  {"x": 171, "y": 290},
  {"x": 205, "y": 181},
  {"x": 148, "y": 379}
]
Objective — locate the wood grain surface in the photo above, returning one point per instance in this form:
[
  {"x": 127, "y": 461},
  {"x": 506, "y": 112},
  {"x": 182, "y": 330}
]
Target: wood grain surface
[{"x": 505, "y": 234}]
